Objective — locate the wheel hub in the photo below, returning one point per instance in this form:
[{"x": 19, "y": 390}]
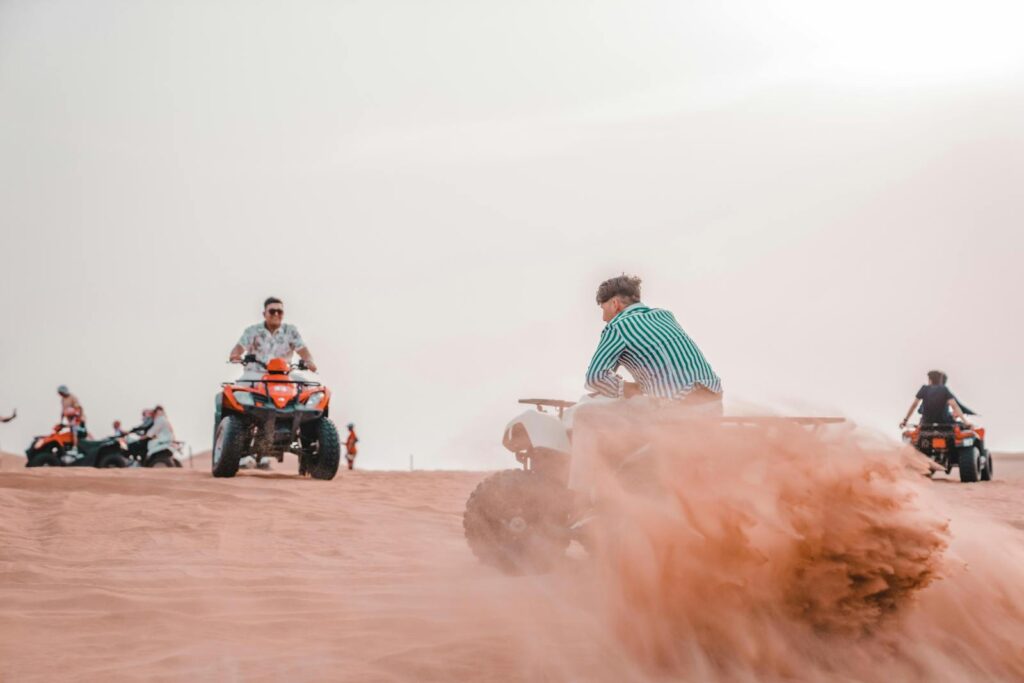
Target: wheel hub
[{"x": 517, "y": 525}]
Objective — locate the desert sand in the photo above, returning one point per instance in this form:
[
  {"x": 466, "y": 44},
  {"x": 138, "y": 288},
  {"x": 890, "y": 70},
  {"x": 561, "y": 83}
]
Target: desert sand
[{"x": 171, "y": 575}]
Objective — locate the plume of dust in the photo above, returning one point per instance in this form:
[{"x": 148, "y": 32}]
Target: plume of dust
[{"x": 780, "y": 552}]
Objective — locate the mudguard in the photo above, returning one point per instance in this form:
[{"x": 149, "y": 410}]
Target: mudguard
[{"x": 543, "y": 431}]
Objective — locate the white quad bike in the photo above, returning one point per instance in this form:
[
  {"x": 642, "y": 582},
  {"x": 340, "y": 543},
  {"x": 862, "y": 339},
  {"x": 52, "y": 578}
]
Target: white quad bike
[
  {"x": 522, "y": 520},
  {"x": 159, "y": 451}
]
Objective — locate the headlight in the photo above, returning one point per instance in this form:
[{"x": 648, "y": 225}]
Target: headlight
[
  {"x": 245, "y": 398},
  {"x": 314, "y": 400}
]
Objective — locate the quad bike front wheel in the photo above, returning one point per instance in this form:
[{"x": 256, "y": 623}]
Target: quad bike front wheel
[
  {"x": 44, "y": 459},
  {"x": 323, "y": 464},
  {"x": 228, "y": 444},
  {"x": 161, "y": 461},
  {"x": 517, "y": 521}
]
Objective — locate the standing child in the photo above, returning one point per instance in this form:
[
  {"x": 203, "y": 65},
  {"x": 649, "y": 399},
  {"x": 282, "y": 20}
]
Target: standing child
[{"x": 350, "y": 445}]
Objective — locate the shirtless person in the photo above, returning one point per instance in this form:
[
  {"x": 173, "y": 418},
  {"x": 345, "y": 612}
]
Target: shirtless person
[{"x": 71, "y": 411}]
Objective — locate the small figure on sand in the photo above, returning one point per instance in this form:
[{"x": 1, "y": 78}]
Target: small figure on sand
[
  {"x": 350, "y": 445},
  {"x": 71, "y": 411},
  {"x": 5, "y": 420}
]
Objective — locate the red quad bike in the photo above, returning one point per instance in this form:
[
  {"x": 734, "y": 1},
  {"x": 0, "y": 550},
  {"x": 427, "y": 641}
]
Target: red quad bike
[
  {"x": 264, "y": 418},
  {"x": 51, "y": 451},
  {"x": 950, "y": 445}
]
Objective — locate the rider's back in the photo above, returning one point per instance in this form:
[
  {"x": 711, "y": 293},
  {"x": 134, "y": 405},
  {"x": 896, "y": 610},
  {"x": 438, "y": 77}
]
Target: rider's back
[{"x": 935, "y": 404}]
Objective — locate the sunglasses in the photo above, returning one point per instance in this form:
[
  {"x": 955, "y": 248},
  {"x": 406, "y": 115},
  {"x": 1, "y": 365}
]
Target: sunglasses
[{"x": 275, "y": 311}]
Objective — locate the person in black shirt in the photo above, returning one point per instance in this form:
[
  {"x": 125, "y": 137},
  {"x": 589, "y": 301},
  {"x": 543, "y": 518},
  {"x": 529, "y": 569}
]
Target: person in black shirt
[{"x": 938, "y": 405}]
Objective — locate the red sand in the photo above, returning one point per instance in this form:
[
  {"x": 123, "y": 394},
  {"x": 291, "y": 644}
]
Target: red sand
[{"x": 170, "y": 575}]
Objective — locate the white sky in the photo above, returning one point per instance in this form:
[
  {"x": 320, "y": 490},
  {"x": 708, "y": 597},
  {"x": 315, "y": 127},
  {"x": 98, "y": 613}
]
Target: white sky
[{"x": 826, "y": 194}]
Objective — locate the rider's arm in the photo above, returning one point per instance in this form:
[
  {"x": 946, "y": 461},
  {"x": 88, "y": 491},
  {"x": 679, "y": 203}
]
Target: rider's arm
[
  {"x": 300, "y": 347},
  {"x": 244, "y": 342},
  {"x": 305, "y": 355},
  {"x": 955, "y": 407},
  {"x": 913, "y": 407},
  {"x": 601, "y": 375}
]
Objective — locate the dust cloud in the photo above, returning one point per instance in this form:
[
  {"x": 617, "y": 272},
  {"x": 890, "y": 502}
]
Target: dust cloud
[
  {"x": 776, "y": 551},
  {"x": 776, "y": 554}
]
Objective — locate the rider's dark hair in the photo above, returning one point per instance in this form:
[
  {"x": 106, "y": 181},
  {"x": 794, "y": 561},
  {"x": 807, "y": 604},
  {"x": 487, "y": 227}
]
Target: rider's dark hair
[
  {"x": 625, "y": 286},
  {"x": 271, "y": 300},
  {"x": 937, "y": 377}
]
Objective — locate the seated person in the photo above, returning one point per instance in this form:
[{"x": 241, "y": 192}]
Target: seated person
[{"x": 938, "y": 405}]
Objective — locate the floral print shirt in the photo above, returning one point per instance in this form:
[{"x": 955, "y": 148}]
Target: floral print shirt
[{"x": 267, "y": 345}]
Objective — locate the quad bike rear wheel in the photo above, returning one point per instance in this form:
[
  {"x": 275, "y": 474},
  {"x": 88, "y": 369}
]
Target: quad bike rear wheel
[
  {"x": 228, "y": 445},
  {"x": 161, "y": 461},
  {"x": 970, "y": 464},
  {"x": 986, "y": 471},
  {"x": 324, "y": 465},
  {"x": 517, "y": 521}
]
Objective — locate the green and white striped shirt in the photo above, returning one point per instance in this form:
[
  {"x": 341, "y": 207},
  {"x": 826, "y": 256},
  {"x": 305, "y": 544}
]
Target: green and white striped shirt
[{"x": 657, "y": 352}]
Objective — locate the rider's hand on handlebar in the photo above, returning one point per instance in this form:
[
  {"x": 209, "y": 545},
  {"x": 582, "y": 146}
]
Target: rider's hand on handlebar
[
  {"x": 903, "y": 424},
  {"x": 311, "y": 366}
]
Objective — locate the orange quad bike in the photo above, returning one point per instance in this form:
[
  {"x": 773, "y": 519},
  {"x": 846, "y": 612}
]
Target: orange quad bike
[
  {"x": 272, "y": 415},
  {"x": 51, "y": 451},
  {"x": 952, "y": 445}
]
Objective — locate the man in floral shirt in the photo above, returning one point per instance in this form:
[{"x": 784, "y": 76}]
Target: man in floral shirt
[{"x": 271, "y": 339}]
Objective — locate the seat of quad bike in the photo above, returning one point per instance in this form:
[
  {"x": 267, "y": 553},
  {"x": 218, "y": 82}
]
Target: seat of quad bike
[{"x": 939, "y": 427}]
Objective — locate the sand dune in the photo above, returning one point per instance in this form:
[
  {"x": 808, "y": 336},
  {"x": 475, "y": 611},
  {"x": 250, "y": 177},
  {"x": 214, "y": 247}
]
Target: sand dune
[{"x": 170, "y": 575}]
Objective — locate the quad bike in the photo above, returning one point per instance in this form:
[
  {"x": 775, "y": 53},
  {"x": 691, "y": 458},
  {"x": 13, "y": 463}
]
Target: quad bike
[
  {"x": 951, "y": 445},
  {"x": 152, "y": 452},
  {"x": 51, "y": 451},
  {"x": 522, "y": 520},
  {"x": 266, "y": 417}
]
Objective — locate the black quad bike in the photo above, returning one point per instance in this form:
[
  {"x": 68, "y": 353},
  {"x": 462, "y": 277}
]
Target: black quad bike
[
  {"x": 952, "y": 445},
  {"x": 52, "y": 449},
  {"x": 272, "y": 415}
]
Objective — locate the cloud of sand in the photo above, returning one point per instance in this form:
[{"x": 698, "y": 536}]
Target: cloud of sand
[{"x": 765, "y": 553}]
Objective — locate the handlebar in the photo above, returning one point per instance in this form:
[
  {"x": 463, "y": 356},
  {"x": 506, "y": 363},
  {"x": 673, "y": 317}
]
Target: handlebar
[{"x": 251, "y": 359}]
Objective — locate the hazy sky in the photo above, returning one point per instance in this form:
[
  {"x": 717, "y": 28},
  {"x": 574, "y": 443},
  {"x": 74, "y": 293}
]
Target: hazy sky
[{"x": 826, "y": 194}]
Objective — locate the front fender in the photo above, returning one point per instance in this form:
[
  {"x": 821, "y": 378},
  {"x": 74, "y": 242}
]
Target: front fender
[{"x": 542, "y": 431}]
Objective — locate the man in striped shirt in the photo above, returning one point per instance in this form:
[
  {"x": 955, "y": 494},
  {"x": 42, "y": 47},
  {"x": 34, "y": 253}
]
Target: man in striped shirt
[
  {"x": 673, "y": 380},
  {"x": 649, "y": 343}
]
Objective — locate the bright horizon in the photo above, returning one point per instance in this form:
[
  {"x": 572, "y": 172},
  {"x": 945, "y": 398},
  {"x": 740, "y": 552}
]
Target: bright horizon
[{"x": 826, "y": 199}]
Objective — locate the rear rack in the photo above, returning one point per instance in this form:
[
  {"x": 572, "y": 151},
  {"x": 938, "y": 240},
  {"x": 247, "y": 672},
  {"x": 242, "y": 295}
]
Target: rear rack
[
  {"x": 775, "y": 419},
  {"x": 550, "y": 402},
  {"x": 541, "y": 403}
]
